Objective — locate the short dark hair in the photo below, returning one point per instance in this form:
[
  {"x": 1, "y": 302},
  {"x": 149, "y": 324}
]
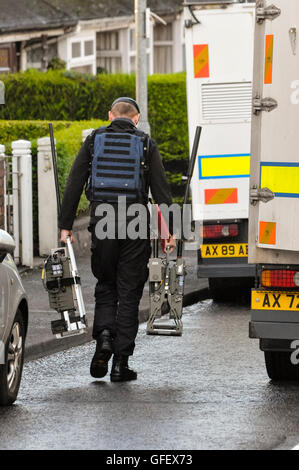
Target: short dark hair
[
  {"x": 127, "y": 99},
  {"x": 124, "y": 109}
]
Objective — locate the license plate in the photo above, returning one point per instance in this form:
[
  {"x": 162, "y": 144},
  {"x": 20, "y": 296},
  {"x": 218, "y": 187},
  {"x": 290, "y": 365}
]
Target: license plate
[
  {"x": 225, "y": 251},
  {"x": 267, "y": 300}
]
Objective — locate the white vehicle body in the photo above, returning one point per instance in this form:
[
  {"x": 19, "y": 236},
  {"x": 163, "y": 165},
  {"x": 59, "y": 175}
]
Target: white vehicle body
[
  {"x": 273, "y": 221},
  {"x": 219, "y": 58}
]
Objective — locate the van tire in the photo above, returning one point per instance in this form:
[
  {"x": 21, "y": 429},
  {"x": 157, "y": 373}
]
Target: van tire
[{"x": 279, "y": 366}]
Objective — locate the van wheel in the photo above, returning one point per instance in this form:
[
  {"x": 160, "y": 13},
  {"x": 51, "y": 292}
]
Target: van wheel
[
  {"x": 12, "y": 362},
  {"x": 279, "y": 366}
]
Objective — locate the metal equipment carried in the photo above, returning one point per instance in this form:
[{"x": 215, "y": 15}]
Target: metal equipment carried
[
  {"x": 167, "y": 277},
  {"x": 61, "y": 279}
]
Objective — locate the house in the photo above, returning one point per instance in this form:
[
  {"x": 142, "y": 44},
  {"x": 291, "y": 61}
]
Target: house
[{"x": 90, "y": 36}]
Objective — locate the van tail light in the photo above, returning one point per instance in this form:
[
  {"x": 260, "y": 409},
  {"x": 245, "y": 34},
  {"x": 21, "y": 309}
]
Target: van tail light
[
  {"x": 219, "y": 231},
  {"x": 280, "y": 278}
]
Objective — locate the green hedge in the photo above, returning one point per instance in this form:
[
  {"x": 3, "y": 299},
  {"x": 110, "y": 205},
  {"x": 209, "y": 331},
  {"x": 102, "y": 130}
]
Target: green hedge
[
  {"x": 169, "y": 126},
  {"x": 33, "y": 99},
  {"x": 68, "y": 135},
  {"x": 68, "y": 96},
  {"x": 69, "y": 139},
  {"x": 62, "y": 95}
]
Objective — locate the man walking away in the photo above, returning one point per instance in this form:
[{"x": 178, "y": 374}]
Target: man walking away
[{"x": 117, "y": 160}]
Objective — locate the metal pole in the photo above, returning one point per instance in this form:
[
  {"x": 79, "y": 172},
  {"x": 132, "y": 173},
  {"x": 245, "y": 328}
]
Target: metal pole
[
  {"x": 55, "y": 170},
  {"x": 192, "y": 161},
  {"x": 141, "y": 64},
  {"x": 189, "y": 177}
]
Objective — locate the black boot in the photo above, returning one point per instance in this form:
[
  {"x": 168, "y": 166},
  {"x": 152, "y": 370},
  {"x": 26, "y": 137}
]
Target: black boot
[
  {"x": 120, "y": 371},
  {"x": 104, "y": 351}
]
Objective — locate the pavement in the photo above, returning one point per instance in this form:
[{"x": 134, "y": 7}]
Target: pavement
[
  {"x": 207, "y": 389},
  {"x": 40, "y": 340}
]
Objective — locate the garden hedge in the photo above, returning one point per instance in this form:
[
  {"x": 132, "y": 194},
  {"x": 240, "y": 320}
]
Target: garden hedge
[
  {"x": 68, "y": 96},
  {"x": 68, "y": 141},
  {"x": 34, "y": 98}
]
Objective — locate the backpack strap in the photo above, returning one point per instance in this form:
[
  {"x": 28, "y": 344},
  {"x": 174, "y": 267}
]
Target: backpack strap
[{"x": 100, "y": 130}]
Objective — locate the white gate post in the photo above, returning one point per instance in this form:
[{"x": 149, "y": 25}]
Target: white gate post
[
  {"x": 22, "y": 149},
  {"x": 15, "y": 204},
  {"x": 47, "y": 203}
]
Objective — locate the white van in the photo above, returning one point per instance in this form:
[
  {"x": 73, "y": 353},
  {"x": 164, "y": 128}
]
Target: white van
[
  {"x": 219, "y": 59},
  {"x": 274, "y": 209}
]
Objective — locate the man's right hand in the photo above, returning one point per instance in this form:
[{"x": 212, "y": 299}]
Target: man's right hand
[
  {"x": 171, "y": 244},
  {"x": 66, "y": 233}
]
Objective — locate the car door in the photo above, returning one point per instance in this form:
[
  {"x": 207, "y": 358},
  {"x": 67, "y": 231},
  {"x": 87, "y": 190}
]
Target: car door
[{"x": 4, "y": 303}]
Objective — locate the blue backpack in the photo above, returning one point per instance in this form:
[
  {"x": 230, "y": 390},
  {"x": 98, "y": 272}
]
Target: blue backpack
[{"x": 118, "y": 167}]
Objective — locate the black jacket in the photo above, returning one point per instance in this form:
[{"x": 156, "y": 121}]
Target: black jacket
[{"x": 80, "y": 171}]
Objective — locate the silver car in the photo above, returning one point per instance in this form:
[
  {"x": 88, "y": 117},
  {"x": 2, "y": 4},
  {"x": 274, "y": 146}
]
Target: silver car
[{"x": 13, "y": 322}]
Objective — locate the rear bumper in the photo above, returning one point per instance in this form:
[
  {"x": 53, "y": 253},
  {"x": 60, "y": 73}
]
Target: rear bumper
[
  {"x": 274, "y": 324},
  {"x": 272, "y": 330},
  {"x": 226, "y": 270}
]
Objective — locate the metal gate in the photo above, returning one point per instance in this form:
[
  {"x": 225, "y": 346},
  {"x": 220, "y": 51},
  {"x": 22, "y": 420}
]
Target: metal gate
[{"x": 9, "y": 198}]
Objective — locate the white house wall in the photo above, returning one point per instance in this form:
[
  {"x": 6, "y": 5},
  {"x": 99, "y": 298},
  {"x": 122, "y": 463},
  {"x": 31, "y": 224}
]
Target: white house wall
[
  {"x": 65, "y": 50},
  {"x": 87, "y": 30}
]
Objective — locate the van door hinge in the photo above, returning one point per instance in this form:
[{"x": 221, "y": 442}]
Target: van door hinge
[
  {"x": 263, "y": 195},
  {"x": 269, "y": 13},
  {"x": 263, "y": 104}
]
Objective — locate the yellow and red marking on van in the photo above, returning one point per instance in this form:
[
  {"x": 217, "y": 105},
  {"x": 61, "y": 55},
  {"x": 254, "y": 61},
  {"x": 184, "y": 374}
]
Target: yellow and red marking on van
[
  {"x": 221, "y": 196},
  {"x": 201, "y": 61},
  {"x": 269, "y": 58},
  {"x": 267, "y": 233}
]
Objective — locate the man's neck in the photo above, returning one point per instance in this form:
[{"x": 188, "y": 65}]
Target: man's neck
[{"x": 124, "y": 118}]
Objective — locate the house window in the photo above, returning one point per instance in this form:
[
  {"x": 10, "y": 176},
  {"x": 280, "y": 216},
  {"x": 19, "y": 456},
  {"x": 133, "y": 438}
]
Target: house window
[
  {"x": 4, "y": 59},
  {"x": 163, "y": 59},
  {"x": 76, "y": 50},
  {"x": 109, "y": 57},
  {"x": 163, "y": 48},
  {"x": 132, "y": 64},
  {"x": 88, "y": 48},
  {"x": 108, "y": 41},
  {"x": 163, "y": 33},
  {"x": 35, "y": 55},
  {"x": 109, "y": 64},
  {"x": 132, "y": 40}
]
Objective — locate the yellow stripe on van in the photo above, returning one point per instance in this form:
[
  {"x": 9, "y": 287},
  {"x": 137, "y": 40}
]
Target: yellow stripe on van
[
  {"x": 224, "y": 166},
  {"x": 282, "y": 179}
]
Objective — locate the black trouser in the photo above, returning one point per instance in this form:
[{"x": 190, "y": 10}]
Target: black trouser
[{"x": 121, "y": 269}]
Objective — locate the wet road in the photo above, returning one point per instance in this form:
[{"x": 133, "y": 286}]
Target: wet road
[{"x": 205, "y": 390}]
